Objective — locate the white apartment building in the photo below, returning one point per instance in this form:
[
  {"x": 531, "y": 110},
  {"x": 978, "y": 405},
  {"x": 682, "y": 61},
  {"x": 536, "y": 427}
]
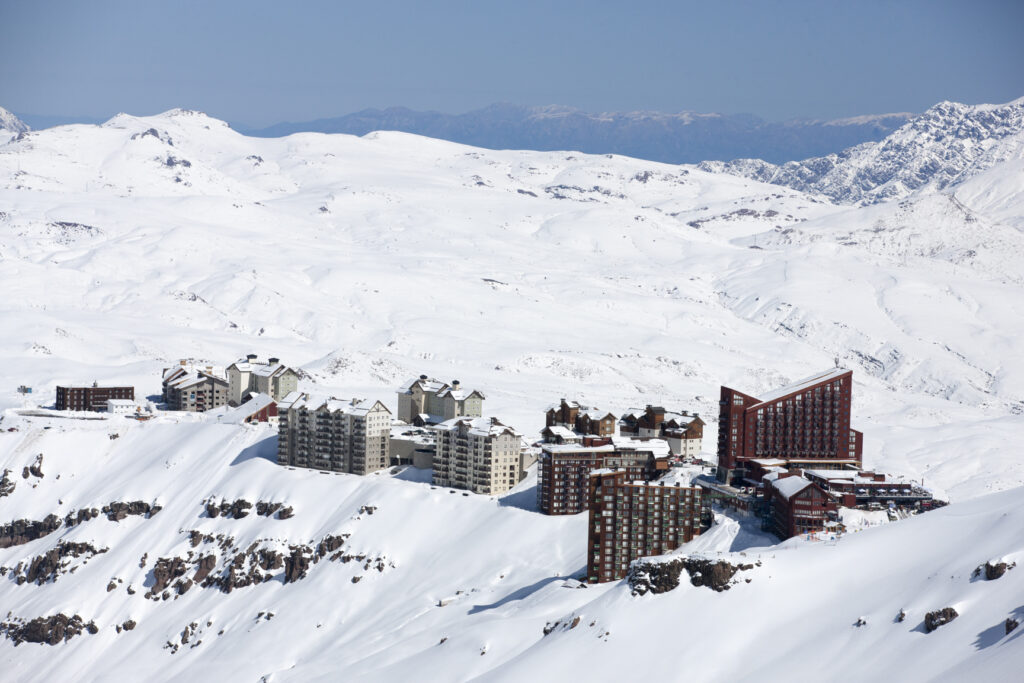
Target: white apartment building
[
  {"x": 479, "y": 454},
  {"x": 334, "y": 435},
  {"x": 425, "y": 400},
  {"x": 248, "y": 376}
]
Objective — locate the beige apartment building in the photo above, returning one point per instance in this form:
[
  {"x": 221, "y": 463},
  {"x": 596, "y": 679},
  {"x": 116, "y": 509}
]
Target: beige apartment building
[
  {"x": 248, "y": 376},
  {"x": 193, "y": 390},
  {"x": 425, "y": 400},
  {"x": 333, "y": 435},
  {"x": 478, "y": 454}
]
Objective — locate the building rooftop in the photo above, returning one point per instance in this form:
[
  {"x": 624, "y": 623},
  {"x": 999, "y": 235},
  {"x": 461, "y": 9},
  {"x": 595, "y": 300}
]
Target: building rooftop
[
  {"x": 800, "y": 385},
  {"x": 790, "y": 486}
]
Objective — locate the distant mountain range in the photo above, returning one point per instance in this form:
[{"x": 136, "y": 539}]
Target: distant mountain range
[{"x": 686, "y": 137}]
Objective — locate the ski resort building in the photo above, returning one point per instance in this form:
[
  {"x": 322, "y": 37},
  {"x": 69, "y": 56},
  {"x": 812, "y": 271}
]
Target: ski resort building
[
  {"x": 805, "y": 424},
  {"x": 797, "y": 506},
  {"x": 574, "y": 417},
  {"x": 478, "y": 454},
  {"x": 248, "y": 376},
  {"x": 425, "y": 400},
  {"x": 334, "y": 435},
  {"x": 411, "y": 445},
  {"x": 564, "y": 469},
  {"x": 852, "y": 487},
  {"x": 193, "y": 390},
  {"x": 258, "y": 408},
  {"x": 630, "y": 519},
  {"x": 120, "y": 406},
  {"x": 92, "y": 398},
  {"x": 683, "y": 432}
]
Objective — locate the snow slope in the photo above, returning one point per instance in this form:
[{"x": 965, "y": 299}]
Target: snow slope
[
  {"x": 529, "y": 275},
  {"x": 467, "y": 583}
]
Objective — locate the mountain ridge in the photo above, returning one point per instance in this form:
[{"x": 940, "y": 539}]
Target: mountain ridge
[
  {"x": 683, "y": 137},
  {"x": 946, "y": 145}
]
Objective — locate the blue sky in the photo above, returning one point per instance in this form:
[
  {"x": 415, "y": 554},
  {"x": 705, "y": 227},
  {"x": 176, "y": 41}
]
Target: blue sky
[{"x": 259, "y": 62}]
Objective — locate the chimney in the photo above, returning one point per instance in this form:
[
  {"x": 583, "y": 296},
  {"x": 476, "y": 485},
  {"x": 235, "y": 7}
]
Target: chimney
[
  {"x": 273, "y": 361},
  {"x": 455, "y": 383},
  {"x": 183, "y": 362},
  {"x": 423, "y": 377},
  {"x": 250, "y": 357}
]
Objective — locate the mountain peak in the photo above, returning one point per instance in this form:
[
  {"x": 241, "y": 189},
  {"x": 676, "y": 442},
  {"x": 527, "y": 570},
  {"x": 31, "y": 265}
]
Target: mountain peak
[{"x": 11, "y": 123}]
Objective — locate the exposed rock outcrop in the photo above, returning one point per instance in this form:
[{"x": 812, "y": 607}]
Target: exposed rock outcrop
[
  {"x": 1011, "y": 624},
  {"x": 935, "y": 619},
  {"x": 24, "y": 530},
  {"x": 117, "y": 511},
  {"x": 6, "y": 485},
  {"x": 660, "y": 577},
  {"x": 50, "y": 630},
  {"x": 53, "y": 563}
]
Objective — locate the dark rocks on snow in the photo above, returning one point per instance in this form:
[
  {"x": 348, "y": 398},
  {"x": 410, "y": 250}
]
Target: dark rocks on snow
[
  {"x": 935, "y": 619},
  {"x": 54, "y": 562},
  {"x": 166, "y": 570},
  {"x": 36, "y": 468},
  {"x": 295, "y": 566},
  {"x": 117, "y": 511},
  {"x": 995, "y": 571},
  {"x": 50, "y": 630},
  {"x": 659, "y": 577},
  {"x": 1011, "y": 624},
  {"x": 240, "y": 508},
  {"x": 24, "y": 530},
  {"x": 286, "y": 513},
  {"x": 6, "y": 485}
]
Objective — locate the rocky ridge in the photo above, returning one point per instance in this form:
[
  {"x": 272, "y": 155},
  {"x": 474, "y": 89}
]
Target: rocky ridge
[{"x": 945, "y": 145}]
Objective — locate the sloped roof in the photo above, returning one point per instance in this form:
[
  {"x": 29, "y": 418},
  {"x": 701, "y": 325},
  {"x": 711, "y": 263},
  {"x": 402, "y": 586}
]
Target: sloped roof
[
  {"x": 790, "y": 486},
  {"x": 802, "y": 384}
]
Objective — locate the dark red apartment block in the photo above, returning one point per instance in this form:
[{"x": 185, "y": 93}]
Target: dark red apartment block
[
  {"x": 564, "y": 469},
  {"x": 90, "y": 398},
  {"x": 806, "y": 424},
  {"x": 630, "y": 519}
]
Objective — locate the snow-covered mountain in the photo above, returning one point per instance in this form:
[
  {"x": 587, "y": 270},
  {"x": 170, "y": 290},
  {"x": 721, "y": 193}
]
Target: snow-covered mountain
[
  {"x": 945, "y": 145},
  {"x": 683, "y": 137},
  {"x": 529, "y": 275},
  {"x": 11, "y": 123}
]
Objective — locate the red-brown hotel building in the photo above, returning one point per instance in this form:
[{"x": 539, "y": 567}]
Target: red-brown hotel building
[{"x": 806, "y": 424}]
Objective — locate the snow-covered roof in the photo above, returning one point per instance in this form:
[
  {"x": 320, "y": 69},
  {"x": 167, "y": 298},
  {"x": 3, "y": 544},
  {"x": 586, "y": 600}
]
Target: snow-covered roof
[
  {"x": 563, "y": 432},
  {"x": 790, "y": 486},
  {"x": 806, "y": 382},
  {"x": 286, "y": 402},
  {"x": 254, "y": 405},
  {"x": 478, "y": 426},
  {"x": 120, "y": 402},
  {"x": 429, "y": 385}
]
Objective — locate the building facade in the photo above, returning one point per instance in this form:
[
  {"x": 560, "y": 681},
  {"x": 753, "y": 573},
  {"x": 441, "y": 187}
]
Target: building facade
[
  {"x": 563, "y": 473},
  {"x": 120, "y": 406},
  {"x": 797, "y": 506},
  {"x": 425, "y": 400},
  {"x": 333, "y": 435},
  {"x": 683, "y": 431},
  {"x": 249, "y": 375},
  {"x": 478, "y": 454},
  {"x": 805, "y": 424},
  {"x": 631, "y": 519},
  {"x": 92, "y": 398},
  {"x": 580, "y": 419},
  {"x": 194, "y": 391}
]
